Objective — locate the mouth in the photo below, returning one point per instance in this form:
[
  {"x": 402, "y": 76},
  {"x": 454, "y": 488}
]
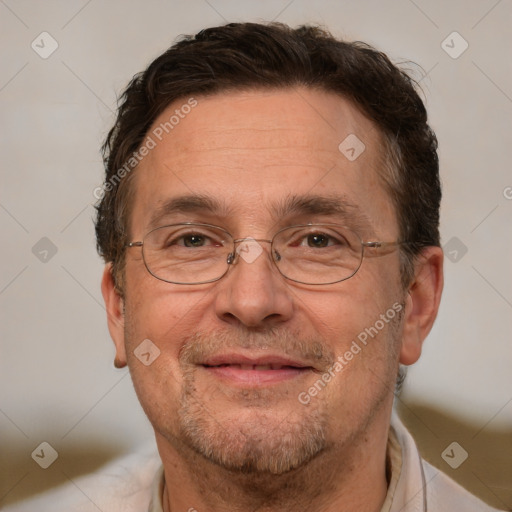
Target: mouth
[{"x": 253, "y": 371}]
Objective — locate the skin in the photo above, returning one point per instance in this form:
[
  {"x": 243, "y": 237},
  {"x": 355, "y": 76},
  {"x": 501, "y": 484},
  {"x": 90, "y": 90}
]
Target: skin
[{"x": 251, "y": 150}]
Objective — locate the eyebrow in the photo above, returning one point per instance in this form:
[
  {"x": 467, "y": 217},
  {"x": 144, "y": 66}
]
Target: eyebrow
[
  {"x": 293, "y": 205},
  {"x": 196, "y": 203},
  {"x": 338, "y": 206}
]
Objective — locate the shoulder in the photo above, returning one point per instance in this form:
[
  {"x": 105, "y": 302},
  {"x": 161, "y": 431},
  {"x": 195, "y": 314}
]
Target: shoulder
[
  {"x": 421, "y": 486},
  {"x": 445, "y": 495},
  {"x": 123, "y": 485}
]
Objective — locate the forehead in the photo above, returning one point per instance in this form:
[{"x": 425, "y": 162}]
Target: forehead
[{"x": 254, "y": 151}]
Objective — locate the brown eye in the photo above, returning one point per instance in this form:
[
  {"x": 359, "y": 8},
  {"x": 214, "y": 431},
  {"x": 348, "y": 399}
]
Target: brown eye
[
  {"x": 317, "y": 240},
  {"x": 193, "y": 240}
]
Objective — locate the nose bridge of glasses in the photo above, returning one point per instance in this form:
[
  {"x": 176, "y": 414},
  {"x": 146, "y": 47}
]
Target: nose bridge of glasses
[
  {"x": 238, "y": 240},
  {"x": 250, "y": 252}
]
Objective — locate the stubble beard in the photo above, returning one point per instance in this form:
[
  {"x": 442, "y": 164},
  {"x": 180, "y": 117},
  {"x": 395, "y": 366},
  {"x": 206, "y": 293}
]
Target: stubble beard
[
  {"x": 263, "y": 441},
  {"x": 268, "y": 443},
  {"x": 264, "y": 438}
]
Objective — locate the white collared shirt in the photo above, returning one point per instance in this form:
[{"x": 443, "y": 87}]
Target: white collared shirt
[{"x": 135, "y": 483}]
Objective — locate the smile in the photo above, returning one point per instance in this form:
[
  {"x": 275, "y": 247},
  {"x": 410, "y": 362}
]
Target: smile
[{"x": 236, "y": 369}]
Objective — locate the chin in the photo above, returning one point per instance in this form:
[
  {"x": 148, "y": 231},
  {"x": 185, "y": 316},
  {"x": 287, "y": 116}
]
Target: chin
[{"x": 254, "y": 441}]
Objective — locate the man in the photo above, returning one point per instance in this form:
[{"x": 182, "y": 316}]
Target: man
[{"x": 269, "y": 222}]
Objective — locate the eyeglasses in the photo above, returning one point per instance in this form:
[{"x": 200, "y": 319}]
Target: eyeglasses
[{"x": 313, "y": 254}]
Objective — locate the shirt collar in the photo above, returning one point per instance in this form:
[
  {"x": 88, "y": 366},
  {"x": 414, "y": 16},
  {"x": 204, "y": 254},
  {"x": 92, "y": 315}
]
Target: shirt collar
[
  {"x": 409, "y": 494},
  {"x": 157, "y": 491}
]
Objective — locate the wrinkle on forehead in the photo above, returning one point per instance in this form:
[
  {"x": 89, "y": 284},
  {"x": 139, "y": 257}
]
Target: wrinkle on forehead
[{"x": 255, "y": 150}]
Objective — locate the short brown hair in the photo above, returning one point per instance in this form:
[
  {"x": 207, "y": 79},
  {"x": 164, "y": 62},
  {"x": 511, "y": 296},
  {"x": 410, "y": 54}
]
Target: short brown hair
[{"x": 242, "y": 56}]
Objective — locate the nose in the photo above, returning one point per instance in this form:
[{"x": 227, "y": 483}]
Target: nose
[{"x": 253, "y": 293}]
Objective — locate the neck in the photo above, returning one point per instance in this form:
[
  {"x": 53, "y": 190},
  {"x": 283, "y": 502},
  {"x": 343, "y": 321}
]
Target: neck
[{"x": 351, "y": 476}]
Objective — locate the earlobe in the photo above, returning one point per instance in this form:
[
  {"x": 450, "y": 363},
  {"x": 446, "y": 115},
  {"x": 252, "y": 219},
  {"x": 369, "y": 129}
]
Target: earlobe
[
  {"x": 422, "y": 303},
  {"x": 115, "y": 315}
]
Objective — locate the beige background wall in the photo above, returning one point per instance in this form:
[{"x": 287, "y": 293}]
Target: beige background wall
[{"x": 57, "y": 382}]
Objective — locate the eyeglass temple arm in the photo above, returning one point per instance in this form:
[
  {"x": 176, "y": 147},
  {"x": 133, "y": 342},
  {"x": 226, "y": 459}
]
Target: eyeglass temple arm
[
  {"x": 381, "y": 246},
  {"x": 378, "y": 245},
  {"x": 133, "y": 244}
]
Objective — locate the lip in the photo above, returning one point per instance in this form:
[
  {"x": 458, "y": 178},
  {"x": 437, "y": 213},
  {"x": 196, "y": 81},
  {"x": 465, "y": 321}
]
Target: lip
[
  {"x": 255, "y": 370},
  {"x": 265, "y": 359}
]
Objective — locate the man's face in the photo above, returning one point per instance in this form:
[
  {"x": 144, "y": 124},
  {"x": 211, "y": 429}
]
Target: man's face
[{"x": 211, "y": 388}]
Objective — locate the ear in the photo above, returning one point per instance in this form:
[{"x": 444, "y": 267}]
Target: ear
[
  {"x": 422, "y": 303},
  {"x": 115, "y": 315}
]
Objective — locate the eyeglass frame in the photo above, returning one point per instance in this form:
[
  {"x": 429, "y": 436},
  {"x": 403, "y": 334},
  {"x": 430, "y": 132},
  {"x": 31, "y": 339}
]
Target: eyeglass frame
[{"x": 232, "y": 255}]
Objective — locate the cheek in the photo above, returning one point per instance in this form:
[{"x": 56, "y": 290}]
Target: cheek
[
  {"x": 158, "y": 321},
  {"x": 340, "y": 313},
  {"x": 160, "y": 311},
  {"x": 359, "y": 324},
  {"x": 365, "y": 339},
  {"x": 153, "y": 337},
  {"x": 165, "y": 319}
]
